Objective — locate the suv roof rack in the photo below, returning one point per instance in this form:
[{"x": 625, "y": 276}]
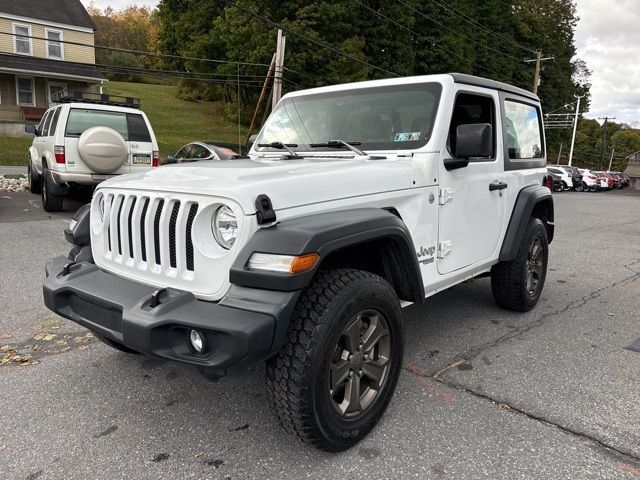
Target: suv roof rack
[{"x": 99, "y": 99}]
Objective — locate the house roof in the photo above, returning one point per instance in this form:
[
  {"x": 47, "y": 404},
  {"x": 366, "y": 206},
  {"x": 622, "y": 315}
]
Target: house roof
[
  {"x": 69, "y": 12},
  {"x": 44, "y": 67}
]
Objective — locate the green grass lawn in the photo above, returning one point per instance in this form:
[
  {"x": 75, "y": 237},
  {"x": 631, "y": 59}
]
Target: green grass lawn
[
  {"x": 13, "y": 150},
  {"x": 175, "y": 122}
]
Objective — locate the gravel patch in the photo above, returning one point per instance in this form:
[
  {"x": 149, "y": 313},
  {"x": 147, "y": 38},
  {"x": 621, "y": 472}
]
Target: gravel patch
[{"x": 13, "y": 183}]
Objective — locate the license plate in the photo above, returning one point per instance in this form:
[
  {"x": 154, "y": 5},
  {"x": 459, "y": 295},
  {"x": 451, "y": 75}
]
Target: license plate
[{"x": 142, "y": 159}]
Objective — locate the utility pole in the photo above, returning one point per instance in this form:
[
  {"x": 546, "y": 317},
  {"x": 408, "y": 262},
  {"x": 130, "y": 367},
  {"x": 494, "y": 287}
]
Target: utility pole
[
  {"x": 279, "y": 70},
  {"x": 538, "y": 60},
  {"x": 263, "y": 94},
  {"x": 575, "y": 126},
  {"x": 559, "y": 154},
  {"x": 604, "y": 139},
  {"x": 611, "y": 159}
]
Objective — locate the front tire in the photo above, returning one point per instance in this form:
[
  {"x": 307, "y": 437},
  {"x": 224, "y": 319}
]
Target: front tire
[
  {"x": 580, "y": 187},
  {"x": 50, "y": 202},
  {"x": 335, "y": 375},
  {"x": 517, "y": 284},
  {"x": 34, "y": 180}
]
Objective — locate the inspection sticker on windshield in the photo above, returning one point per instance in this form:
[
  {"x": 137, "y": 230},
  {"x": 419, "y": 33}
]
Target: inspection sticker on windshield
[{"x": 407, "y": 136}]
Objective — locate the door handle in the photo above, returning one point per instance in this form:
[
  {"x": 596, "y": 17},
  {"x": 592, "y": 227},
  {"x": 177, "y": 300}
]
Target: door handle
[{"x": 497, "y": 186}]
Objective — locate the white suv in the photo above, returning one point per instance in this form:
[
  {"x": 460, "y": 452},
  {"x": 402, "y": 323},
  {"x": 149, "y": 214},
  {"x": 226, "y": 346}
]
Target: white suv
[
  {"x": 565, "y": 176},
  {"x": 84, "y": 144},
  {"x": 355, "y": 201}
]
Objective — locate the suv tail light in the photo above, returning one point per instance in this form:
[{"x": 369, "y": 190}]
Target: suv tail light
[
  {"x": 58, "y": 151},
  {"x": 155, "y": 159}
]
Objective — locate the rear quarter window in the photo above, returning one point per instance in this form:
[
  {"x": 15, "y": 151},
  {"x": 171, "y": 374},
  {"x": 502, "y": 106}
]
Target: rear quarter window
[
  {"x": 138, "y": 131},
  {"x": 524, "y": 132}
]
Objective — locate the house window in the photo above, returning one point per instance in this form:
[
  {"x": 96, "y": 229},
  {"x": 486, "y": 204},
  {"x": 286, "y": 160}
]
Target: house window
[
  {"x": 55, "y": 91},
  {"x": 54, "y": 47},
  {"x": 25, "y": 92},
  {"x": 22, "y": 39}
]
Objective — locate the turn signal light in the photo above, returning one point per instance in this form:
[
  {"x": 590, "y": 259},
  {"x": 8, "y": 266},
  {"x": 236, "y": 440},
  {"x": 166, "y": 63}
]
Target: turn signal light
[
  {"x": 58, "y": 151},
  {"x": 283, "y": 263},
  {"x": 304, "y": 263}
]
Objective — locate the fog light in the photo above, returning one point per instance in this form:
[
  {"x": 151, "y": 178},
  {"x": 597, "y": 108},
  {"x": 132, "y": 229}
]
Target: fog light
[{"x": 197, "y": 341}]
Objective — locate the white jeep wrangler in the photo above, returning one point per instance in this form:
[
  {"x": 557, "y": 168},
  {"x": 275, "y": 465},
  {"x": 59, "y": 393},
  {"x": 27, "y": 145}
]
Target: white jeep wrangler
[
  {"x": 355, "y": 201},
  {"x": 85, "y": 143}
]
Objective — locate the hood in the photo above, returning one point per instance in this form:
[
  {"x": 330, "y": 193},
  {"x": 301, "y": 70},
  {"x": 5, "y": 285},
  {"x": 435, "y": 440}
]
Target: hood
[{"x": 289, "y": 183}]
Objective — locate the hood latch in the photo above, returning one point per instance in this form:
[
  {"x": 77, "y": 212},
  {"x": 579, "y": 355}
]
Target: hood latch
[{"x": 265, "y": 212}]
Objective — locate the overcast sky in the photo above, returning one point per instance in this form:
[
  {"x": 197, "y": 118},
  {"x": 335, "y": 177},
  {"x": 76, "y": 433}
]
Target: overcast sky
[{"x": 608, "y": 38}]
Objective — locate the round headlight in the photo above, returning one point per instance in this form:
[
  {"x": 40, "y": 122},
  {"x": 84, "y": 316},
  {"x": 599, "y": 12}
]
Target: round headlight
[
  {"x": 101, "y": 207},
  {"x": 225, "y": 226}
]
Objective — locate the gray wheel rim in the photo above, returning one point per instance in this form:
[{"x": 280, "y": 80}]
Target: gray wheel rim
[
  {"x": 534, "y": 265},
  {"x": 360, "y": 363}
]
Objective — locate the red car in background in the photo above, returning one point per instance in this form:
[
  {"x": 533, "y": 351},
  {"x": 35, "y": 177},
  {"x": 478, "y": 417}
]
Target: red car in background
[{"x": 612, "y": 180}]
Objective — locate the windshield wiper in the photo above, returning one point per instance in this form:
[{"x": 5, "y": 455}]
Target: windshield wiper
[
  {"x": 283, "y": 146},
  {"x": 343, "y": 144}
]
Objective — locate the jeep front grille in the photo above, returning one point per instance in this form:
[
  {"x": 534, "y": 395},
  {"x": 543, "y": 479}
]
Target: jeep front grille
[{"x": 142, "y": 227}]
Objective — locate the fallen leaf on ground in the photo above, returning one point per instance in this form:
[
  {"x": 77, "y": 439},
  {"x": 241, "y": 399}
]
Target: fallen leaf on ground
[
  {"x": 199, "y": 453},
  {"x": 5, "y": 336},
  {"x": 3, "y": 446}
]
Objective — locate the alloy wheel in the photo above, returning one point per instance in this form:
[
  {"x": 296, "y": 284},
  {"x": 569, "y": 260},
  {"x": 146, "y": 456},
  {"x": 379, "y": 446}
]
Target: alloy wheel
[
  {"x": 359, "y": 363},
  {"x": 534, "y": 266}
]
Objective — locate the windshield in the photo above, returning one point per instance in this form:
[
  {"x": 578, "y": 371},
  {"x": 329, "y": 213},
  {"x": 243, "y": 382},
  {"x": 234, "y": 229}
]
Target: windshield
[{"x": 395, "y": 117}]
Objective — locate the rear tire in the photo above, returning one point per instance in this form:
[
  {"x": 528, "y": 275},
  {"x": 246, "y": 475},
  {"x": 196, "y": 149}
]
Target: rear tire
[
  {"x": 331, "y": 382},
  {"x": 34, "y": 180},
  {"x": 517, "y": 284},
  {"x": 50, "y": 202},
  {"x": 117, "y": 346},
  {"x": 580, "y": 188}
]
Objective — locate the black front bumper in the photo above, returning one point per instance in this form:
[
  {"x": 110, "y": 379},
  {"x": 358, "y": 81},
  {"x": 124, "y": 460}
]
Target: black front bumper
[{"x": 244, "y": 328}]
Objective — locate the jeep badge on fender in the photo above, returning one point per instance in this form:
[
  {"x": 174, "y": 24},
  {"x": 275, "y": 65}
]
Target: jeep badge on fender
[{"x": 354, "y": 200}]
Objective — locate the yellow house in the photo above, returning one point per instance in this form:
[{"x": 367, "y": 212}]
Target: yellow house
[{"x": 46, "y": 51}]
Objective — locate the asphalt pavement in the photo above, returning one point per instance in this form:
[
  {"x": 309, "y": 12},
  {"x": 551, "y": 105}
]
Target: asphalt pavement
[{"x": 485, "y": 393}]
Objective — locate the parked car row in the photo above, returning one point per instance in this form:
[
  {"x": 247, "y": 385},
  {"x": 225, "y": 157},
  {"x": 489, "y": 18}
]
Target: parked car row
[{"x": 564, "y": 177}]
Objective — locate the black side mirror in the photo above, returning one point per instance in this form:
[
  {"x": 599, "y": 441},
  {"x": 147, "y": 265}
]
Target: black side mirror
[
  {"x": 170, "y": 159},
  {"x": 31, "y": 128},
  {"x": 250, "y": 142},
  {"x": 474, "y": 141}
]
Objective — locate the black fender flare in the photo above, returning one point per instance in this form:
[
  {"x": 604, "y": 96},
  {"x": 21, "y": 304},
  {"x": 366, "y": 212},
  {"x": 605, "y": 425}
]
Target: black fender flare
[
  {"x": 323, "y": 234},
  {"x": 528, "y": 199}
]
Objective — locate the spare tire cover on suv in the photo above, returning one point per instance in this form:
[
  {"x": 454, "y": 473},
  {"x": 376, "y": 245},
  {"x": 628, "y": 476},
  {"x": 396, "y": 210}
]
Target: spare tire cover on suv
[{"x": 102, "y": 149}]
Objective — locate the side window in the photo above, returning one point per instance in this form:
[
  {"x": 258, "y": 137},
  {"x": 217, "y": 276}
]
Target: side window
[
  {"x": 138, "y": 131},
  {"x": 54, "y": 122},
  {"x": 46, "y": 120},
  {"x": 41, "y": 124},
  {"x": 472, "y": 109},
  {"x": 200, "y": 152},
  {"x": 185, "y": 152},
  {"x": 524, "y": 137}
]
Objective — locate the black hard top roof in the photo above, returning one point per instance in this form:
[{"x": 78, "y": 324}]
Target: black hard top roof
[{"x": 487, "y": 83}]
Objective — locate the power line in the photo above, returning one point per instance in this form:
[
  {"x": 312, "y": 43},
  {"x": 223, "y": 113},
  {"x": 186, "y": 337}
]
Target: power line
[
  {"x": 308, "y": 39},
  {"x": 430, "y": 41},
  {"x": 137, "y": 52},
  {"x": 469, "y": 20},
  {"x": 455, "y": 31}
]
